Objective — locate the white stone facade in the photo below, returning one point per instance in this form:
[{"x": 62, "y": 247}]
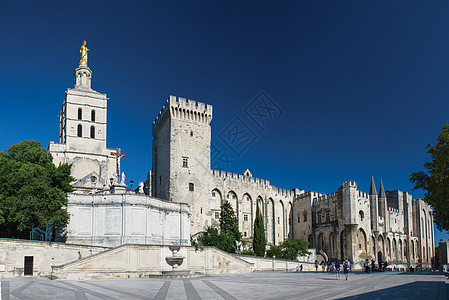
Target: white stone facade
[
  {"x": 347, "y": 224},
  {"x": 82, "y": 135},
  {"x": 187, "y": 194},
  {"x": 391, "y": 226},
  {"x": 111, "y": 220}
]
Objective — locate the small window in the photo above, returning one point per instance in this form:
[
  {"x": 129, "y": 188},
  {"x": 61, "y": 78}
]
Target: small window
[
  {"x": 299, "y": 218},
  {"x": 93, "y": 179},
  {"x": 185, "y": 162},
  {"x": 213, "y": 194},
  {"x": 80, "y": 130},
  {"x": 201, "y": 210},
  {"x": 305, "y": 217},
  {"x": 217, "y": 215},
  {"x": 245, "y": 217},
  {"x": 191, "y": 187},
  {"x": 279, "y": 220},
  {"x": 319, "y": 219},
  {"x": 244, "y": 234},
  {"x": 92, "y": 115},
  {"x": 80, "y": 114},
  {"x": 362, "y": 215},
  {"x": 92, "y": 132},
  {"x": 191, "y": 133},
  {"x": 328, "y": 217}
]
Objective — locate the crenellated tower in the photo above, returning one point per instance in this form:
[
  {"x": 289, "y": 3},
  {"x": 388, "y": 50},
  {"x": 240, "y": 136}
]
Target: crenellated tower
[{"x": 181, "y": 155}]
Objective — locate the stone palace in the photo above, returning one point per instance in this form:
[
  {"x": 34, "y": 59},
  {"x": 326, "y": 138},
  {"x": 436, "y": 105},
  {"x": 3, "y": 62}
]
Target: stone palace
[{"x": 182, "y": 195}]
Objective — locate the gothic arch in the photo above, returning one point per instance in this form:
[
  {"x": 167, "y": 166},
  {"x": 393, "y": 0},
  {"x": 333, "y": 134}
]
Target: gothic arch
[
  {"x": 343, "y": 243},
  {"x": 216, "y": 194},
  {"x": 381, "y": 245},
  {"x": 320, "y": 245},
  {"x": 248, "y": 215},
  {"x": 271, "y": 223},
  {"x": 394, "y": 250},
  {"x": 310, "y": 240},
  {"x": 259, "y": 202},
  {"x": 361, "y": 240},
  {"x": 331, "y": 244},
  {"x": 290, "y": 220},
  {"x": 281, "y": 221},
  {"x": 388, "y": 248},
  {"x": 231, "y": 197}
]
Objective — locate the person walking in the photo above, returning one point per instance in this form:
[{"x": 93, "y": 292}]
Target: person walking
[
  {"x": 346, "y": 268},
  {"x": 316, "y": 265},
  {"x": 366, "y": 264},
  {"x": 337, "y": 269}
]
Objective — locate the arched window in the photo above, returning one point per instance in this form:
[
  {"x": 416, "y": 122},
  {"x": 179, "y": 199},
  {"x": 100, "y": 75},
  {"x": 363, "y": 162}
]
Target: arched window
[
  {"x": 305, "y": 216},
  {"x": 92, "y": 115},
  {"x": 92, "y": 132},
  {"x": 362, "y": 215},
  {"x": 80, "y": 114},
  {"x": 80, "y": 130}
]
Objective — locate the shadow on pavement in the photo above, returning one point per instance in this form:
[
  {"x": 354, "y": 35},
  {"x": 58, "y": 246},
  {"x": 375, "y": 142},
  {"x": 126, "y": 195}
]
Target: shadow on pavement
[{"x": 435, "y": 290}]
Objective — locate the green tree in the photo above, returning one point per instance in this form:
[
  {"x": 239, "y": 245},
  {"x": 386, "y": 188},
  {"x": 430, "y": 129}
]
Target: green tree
[
  {"x": 259, "y": 240},
  {"x": 435, "y": 182},
  {"x": 275, "y": 251},
  {"x": 229, "y": 223},
  {"x": 32, "y": 190},
  {"x": 217, "y": 239},
  {"x": 293, "y": 247}
]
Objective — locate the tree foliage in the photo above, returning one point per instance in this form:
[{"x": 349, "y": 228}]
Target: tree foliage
[
  {"x": 289, "y": 249},
  {"x": 293, "y": 247},
  {"x": 275, "y": 251},
  {"x": 229, "y": 223},
  {"x": 32, "y": 190},
  {"x": 259, "y": 240},
  {"x": 435, "y": 182},
  {"x": 217, "y": 239}
]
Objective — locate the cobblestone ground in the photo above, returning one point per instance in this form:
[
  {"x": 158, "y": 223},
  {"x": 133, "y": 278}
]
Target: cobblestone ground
[{"x": 261, "y": 285}]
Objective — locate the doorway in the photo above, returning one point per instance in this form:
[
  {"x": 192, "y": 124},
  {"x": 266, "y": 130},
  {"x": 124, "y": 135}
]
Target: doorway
[{"x": 28, "y": 270}]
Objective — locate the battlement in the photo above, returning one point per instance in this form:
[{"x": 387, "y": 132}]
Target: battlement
[
  {"x": 392, "y": 209},
  {"x": 349, "y": 183},
  {"x": 182, "y": 108},
  {"x": 240, "y": 177},
  {"x": 309, "y": 194}
]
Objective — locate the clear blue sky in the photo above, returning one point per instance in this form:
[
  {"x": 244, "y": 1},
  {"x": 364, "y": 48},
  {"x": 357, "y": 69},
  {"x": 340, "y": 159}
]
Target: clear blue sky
[{"x": 363, "y": 85}]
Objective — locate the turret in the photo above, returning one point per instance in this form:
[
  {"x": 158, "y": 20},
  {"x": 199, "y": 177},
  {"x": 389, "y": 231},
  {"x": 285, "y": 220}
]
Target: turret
[
  {"x": 383, "y": 205},
  {"x": 374, "y": 208}
]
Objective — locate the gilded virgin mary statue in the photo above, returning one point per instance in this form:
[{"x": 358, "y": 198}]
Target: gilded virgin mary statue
[{"x": 83, "y": 52}]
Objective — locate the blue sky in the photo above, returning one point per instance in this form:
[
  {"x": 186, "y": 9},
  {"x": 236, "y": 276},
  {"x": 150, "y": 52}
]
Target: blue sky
[{"x": 362, "y": 86}]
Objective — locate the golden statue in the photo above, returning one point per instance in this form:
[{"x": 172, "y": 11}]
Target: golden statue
[{"x": 83, "y": 51}]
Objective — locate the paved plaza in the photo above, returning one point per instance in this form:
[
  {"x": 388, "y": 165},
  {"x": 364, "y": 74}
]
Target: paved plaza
[{"x": 261, "y": 285}]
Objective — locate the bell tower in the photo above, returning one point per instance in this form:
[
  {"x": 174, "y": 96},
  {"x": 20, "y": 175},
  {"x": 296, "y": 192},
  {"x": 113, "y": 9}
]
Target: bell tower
[{"x": 82, "y": 132}]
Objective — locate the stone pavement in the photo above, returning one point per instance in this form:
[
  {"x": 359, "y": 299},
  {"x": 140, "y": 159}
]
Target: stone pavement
[{"x": 260, "y": 285}]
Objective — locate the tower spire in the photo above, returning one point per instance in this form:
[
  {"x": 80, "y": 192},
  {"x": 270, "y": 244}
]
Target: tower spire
[
  {"x": 372, "y": 189},
  {"x": 382, "y": 190}
]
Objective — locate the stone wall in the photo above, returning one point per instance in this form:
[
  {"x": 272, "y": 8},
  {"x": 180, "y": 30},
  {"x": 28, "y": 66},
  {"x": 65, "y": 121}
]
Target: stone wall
[
  {"x": 45, "y": 255},
  {"x": 137, "y": 261},
  {"x": 116, "y": 219}
]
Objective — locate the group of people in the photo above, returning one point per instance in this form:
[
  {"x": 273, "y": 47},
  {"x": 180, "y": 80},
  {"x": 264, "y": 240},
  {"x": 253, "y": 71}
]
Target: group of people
[
  {"x": 371, "y": 267},
  {"x": 197, "y": 245},
  {"x": 335, "y": 266}
]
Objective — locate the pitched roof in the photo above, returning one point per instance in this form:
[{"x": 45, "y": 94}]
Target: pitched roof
[{"x": 372, "y": 189}]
